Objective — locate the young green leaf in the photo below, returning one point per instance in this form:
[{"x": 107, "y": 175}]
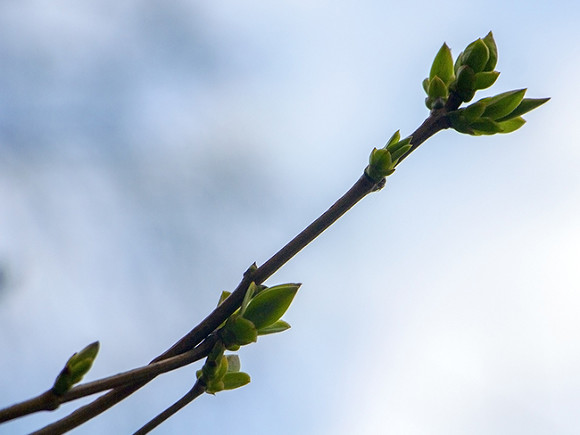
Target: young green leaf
[
  {"x": 511, "y": 124},
  {"x": 503, "y": 104},
  {"x": 485, "y": 126},
  {"x": 527, "y": 105},
  {"x": 474, "y": 111},
  {"x": 485, "y": 79},
  {"x": 394, "y": 139},
  {"x": 252, "y": 289},
  {"x": 234, "y": 380},
  {"x": 476, "y": 55},
  {"x": 238, "y": 331},
  {"x": 459, "y": 122},
  {"x": 442, "y": 66},
  {"x": 274, "y": 328},
  {"x": 492, "y": 61},
  {"x": 271, "y": 304},
  {"x": 464, "y": 85},
  {"x": 396, "y": 155}
]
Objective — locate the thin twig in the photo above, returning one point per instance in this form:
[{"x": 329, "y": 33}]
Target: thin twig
[
  {"x": 436, "y": 122},
  {"x": 197, "y": 390},
  {"x": 49, "y": 401}
]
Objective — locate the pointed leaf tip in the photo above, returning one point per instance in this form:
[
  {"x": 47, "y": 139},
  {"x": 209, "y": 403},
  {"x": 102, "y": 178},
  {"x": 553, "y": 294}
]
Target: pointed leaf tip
[
  {"x": 269, "y": 305},
  {"x": 503, "y": 104},
  {"x": 526, "y": 105},
  {"x": 442, "y": 66}
]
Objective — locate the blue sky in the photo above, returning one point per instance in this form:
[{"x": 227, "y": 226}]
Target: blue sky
[{"x": 151, "y": 151}]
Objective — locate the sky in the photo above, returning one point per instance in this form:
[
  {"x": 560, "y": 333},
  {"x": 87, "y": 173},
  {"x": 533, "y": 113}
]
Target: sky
[{"x": 151, "y": 151}]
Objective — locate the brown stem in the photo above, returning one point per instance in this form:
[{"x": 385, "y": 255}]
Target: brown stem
[{"x": 437, "y": 121}]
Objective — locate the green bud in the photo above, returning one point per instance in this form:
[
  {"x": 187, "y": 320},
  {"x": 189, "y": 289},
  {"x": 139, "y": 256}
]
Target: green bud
[
  {"x": 223, "y": 297},
  {"x": 464, "y": 85},
  {"x": 485, "y": 79},
  {"x": 527, "y": 105},
  {"x": 380, "y": 164},
  {"x": 222, "y": 368},
  {"x": 503, "y": 104},
  {"x": 396, "y": 155},
  {"x": 90, "y": 352},
  {"x": 458, "y": 63},
  {"x": 274, "y": 328},
  {"x": 253, "y": 268},
  {"x": 476, "y": 55},
  {"x": 252, "y": 289},
  {"x": 485, "y": 126},
  {"x": 234, "y": 380},
  {"x": 270, "y": 304},
  {"x": 459, "y": 122},
  {"x": 393, "y": 147},
  {"x": 442, "y": 66},
  {"x": 426, "y": 85},
  {"x": 474, "y": 111},
  {"x": 437, "y": 94},
  {"x": 490, "y": 44},
  {"x": 79, "y": 370},
  {"x": 238, "y": 331},
  {"x": 213, "y": 387},
  {"x": 394, "y": 139},
  {"x": 76, "y": 368},
  {"x": 511, "y": 124},
  {"x": 437, "y": 88}
]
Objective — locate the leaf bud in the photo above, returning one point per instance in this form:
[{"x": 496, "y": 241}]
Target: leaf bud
[
  {"x": 464, "y": 85},
  {"x": 526, "y": 105},
  {"x": 485, "y": 79},
  {"x": 269, "y": 305},
  {"x": 238, "y": 331},
  {"x": 492, "y": 47},
  {"x": 476, "y": 55},
  {"x": 380, "y": 164},
  {"x": 503, "y": 104},
  {"x": 442, "y": 66}
]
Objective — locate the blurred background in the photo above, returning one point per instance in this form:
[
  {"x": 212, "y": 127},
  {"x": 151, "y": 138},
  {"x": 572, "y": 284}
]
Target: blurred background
[{"x": 150, "y": 151}]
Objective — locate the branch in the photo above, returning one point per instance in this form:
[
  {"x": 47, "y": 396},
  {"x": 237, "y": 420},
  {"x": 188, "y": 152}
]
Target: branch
[
  {"x": 436, "y": 122},
  {"x": 197, "y": 390}
]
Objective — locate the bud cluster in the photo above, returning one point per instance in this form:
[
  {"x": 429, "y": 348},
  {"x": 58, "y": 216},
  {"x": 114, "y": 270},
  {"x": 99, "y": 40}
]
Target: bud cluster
[
  {"x": 259, "y": 314},
  {"x": 221, "y": 372},
  {"x": 473, "y": 70},
  {"x": 382, "y": 161},
  {"x": 498, "y": 114}
]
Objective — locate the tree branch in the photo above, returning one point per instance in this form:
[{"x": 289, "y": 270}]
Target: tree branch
[{"x": 436, "y": 122}]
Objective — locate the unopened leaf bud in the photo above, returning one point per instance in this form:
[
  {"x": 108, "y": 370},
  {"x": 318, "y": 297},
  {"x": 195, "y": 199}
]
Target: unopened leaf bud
[
  {"x": 442, "y": 66},
  {"x": 269, "y": 305},
  {"x": 526, "y": 105},
  {"x": 464, "y": 85},
  {"x": 476, "y": 55},
  {"x": 503, "y": 104},
  {"x": 492, "y": 47},
  {"x": 485, "y": 79}
]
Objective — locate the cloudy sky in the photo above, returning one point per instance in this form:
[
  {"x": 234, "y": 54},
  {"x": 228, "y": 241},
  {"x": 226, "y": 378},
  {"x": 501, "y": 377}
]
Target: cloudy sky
[{"x": 150, "y": 151}]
